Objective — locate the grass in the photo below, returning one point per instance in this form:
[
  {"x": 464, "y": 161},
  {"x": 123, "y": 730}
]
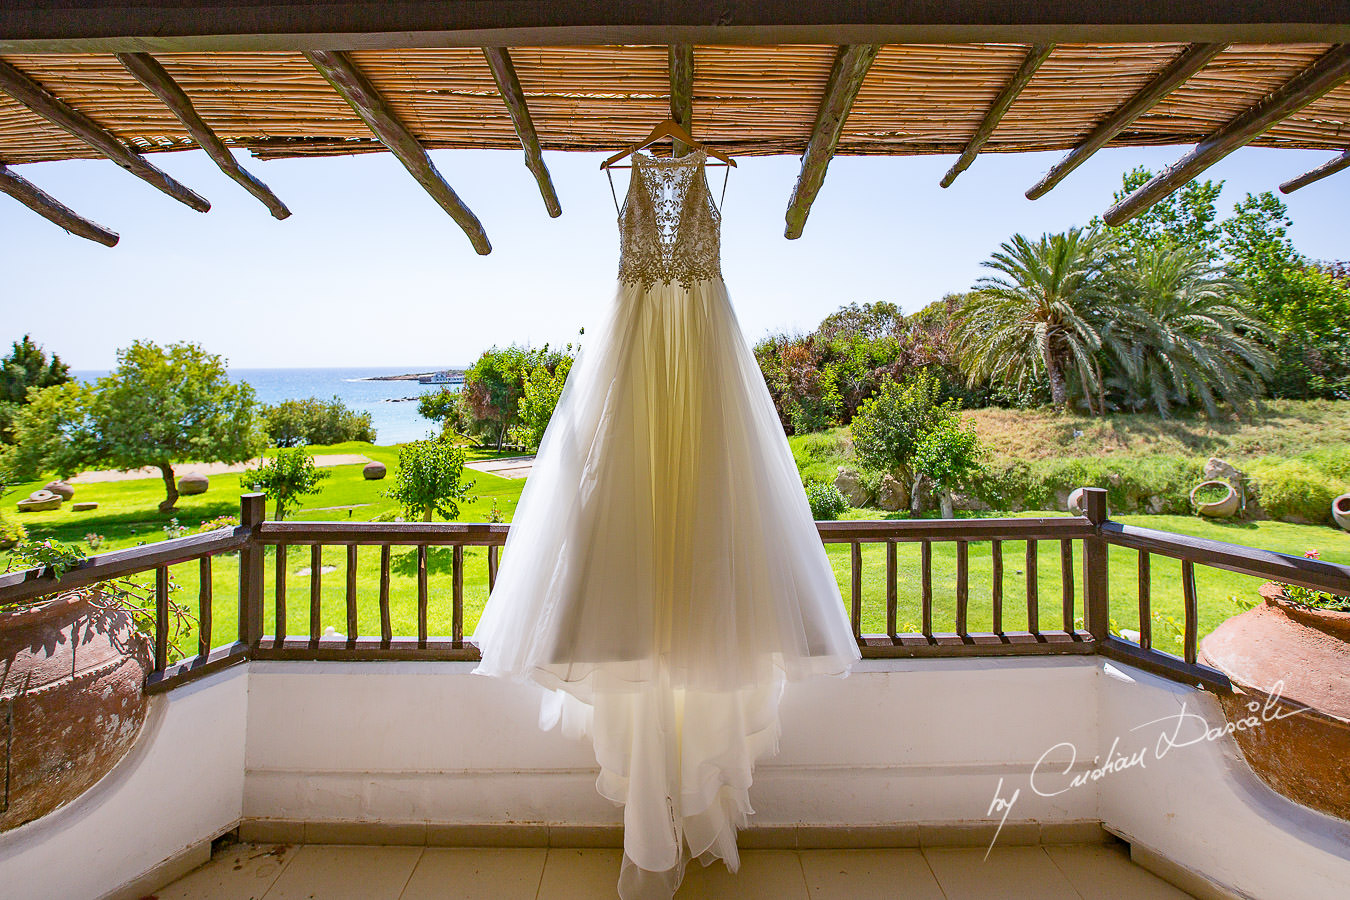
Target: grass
[{"x": 126, "y": 517}]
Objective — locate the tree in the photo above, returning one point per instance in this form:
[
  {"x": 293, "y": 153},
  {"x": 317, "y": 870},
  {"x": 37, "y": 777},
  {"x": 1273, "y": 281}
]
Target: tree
[
  {"x": 1192, "y": 338},
  {"x": 157, "y": 407},
  {"x": 1042, "y": 315},
  {"x": 25, "y": 368},
  {"x": 290, "y": 475},
  {"x": 1185, "y": 217},
  {"x": 888, "y": 427},
  {"x": 444, "y": 407},
  {"x": 493, "y": 386},
  {"x": 950, "y": 455},
  {"x": 294, "y": 423},
  {"x": 542, "y": 388},
  {"x": 430, "y": 479}
]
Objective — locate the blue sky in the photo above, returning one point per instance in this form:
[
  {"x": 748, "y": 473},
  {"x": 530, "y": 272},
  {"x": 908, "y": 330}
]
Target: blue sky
[{"x": 368, "y": 271}]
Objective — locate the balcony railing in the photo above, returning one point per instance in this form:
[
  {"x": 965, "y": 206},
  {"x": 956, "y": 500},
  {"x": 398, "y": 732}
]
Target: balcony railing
[{"x": 1081, "y": 579}]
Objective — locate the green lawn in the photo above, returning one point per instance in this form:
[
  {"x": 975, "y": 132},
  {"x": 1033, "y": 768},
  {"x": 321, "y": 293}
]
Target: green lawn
[{"x": 126, "y": 517}]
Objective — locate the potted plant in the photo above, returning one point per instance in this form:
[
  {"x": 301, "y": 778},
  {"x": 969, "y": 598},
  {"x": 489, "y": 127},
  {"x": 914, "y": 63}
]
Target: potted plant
[
  {"x": 1289, "y": 660},
  {"x": 74, "y": 665}
]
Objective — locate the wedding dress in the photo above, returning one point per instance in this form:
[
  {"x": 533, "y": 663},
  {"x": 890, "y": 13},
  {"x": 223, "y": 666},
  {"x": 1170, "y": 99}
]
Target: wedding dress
[{"x": 663, "y": 577}]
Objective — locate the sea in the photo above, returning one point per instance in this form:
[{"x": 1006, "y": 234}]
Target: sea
[{"x": 392, "y": 404}]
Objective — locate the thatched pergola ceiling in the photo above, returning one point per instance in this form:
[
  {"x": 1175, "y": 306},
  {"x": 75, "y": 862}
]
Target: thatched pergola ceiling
[{"x": 285, "y": 80}]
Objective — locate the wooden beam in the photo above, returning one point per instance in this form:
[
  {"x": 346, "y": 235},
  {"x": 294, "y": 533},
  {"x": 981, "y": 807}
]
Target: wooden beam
[
  {"x": 1330, "y": 70},
  {"x": 40, "y": 202},
  {"x": 681, "y": 63},
  {"x": 41, "y": 101},
  {"x": 1192, "y": 60},
  {"x": 1330, "y": 167},
  {"x": 361, "y": 95},
  {"x": 508, "y": 85},
  {"x": 846, "y": 77},
  {"x": 147, "y": 70},
  {"x": 1021, "y": 78}
]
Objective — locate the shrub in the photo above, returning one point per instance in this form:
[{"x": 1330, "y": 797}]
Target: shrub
[
  {"x": 290, "y": 475},
  {"x": 889, "y": 427},
  {"x": 826, "y": 501},
  {"x": 11, "y": 533},
  {"x": 1316, "y": 599},
  {"x": 1293, "y": 490},
  {"x": 430, "y": 479},
  {"x": 294, "y": 423}
]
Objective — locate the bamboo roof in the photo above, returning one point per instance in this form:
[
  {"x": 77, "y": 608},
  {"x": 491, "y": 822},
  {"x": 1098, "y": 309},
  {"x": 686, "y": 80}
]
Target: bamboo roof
[{"x": 747, "y": 100}]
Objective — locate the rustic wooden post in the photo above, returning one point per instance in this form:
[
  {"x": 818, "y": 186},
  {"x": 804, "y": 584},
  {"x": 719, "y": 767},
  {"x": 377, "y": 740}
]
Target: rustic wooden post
[
  {"x": 1096, "y": 587},
  {"x": 252, "y": 511}
]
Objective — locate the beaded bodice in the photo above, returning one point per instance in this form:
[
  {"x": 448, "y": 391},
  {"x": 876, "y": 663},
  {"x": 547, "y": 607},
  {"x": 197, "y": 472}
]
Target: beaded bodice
[{"x": 669, "y": 227}]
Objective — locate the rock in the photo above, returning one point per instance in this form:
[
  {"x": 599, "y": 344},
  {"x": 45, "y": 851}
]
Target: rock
[
  {"x": 193, "y": 483},
  {"x": 373, "y": 471},
  {"x": 971, "y": 502},
  {"x": 892, "y": 493},
  {"x": 84, "y": 506},
  {"x": 1062, "y": 496},
  {"x": 850, "y": 484},
  {"x": 40, "y": 501},
  {"x": 60, "y": 488},
  {"x": 1155, "y": 505},
  {"x": 1216, "y": 469}
]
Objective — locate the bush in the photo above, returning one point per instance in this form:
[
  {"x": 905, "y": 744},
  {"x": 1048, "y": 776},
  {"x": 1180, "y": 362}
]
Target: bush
[
  {"x": 294, "y": 423},
  {"x": 11, "y": 533},
  {"x": 288, "y": 476},
  {"x": 429, "y": 480},
  {"x": 827, "y": 503},
  {"x": 1294, "y": 490}
]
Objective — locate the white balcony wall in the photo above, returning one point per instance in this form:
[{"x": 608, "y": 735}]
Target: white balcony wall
[{"x": 181, "y": 785}]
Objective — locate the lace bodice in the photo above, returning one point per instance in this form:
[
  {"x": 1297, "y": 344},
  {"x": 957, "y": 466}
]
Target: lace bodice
[{"x": 669, "y": 227}]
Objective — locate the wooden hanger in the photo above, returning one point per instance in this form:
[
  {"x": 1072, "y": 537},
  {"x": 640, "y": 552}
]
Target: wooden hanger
[{"x": 667, "y": 129}]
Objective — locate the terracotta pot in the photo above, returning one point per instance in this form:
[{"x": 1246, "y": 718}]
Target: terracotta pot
[
  {"x": 1223, "y": 508},
  {"x": 1290, "y": 665},
  {"x": 71, "y": 678}
]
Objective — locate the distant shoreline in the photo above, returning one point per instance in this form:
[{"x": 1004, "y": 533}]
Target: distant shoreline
[{"x": 412, "y": 376}]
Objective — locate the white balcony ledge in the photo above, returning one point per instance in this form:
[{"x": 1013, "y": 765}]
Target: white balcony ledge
[{"x": 902, "y": 753}]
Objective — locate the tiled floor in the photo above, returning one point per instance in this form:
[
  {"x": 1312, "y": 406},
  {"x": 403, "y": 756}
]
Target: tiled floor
[{"x": 337, "y": 872}]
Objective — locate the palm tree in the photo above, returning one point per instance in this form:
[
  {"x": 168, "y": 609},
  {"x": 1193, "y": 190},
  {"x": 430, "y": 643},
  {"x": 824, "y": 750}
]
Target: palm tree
[
  {"x": 1043, "y": 315},
  {"x": 1194, "y": 340}
]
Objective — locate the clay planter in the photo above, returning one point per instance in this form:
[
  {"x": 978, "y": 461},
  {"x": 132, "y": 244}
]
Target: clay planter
[
  {"x": 1340, "y": 511},
  {"x": 1305, "y": 757},
  {"x": 70, "y": 687},
  {"x": 1223, "y": 508}
]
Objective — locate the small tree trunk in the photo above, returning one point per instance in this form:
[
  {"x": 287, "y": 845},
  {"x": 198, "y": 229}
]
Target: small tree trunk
[
  {"x": 281, "y": 511},
  {"x": 501, "y": 436},
  {"x": 945, "y": 500},
  {"x": 1059, "y": 390},
  {"x": 426, "y": 513},
  {"x": 170, "y": 488}
]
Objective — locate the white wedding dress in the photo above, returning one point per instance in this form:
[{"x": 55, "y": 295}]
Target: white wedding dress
[{"x": 663, "y": 577}]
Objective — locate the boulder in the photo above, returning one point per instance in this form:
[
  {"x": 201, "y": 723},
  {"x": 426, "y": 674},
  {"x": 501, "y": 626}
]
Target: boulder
[
  {"x": 1062, "y": 496},
  {"x": 971, "y": 502},
  {"x": 850, "y": 484},
  {"x": 373, "y": 471},
  {"x": 892, "y": 493},
  {"x": 60, "y": 488},
  {"x": 1155, "y": 505},
  {"x": 40, "y": 501},
  {"x": 193, "y": 483},
  {"x": 84, "y": 506},
  {"x": 1217, "y": 470}
]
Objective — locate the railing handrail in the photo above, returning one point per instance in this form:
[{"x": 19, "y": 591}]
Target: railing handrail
[
  {"x": 27, "y": 584},
  {"x": 1286, "y": 568},
  {"x": 477, "y": 534},
  {"x": 981, "y": 529}
]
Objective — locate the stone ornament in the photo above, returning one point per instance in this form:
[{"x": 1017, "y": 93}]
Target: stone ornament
[
  {"x": 40, "y": 501},
  {"x": 193, "y": 483},
  {"x": 61, "y": 488},
  {"x": 373, "y": 471}
]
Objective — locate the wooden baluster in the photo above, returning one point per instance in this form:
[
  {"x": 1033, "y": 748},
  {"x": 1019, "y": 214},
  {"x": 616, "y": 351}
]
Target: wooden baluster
[
  {"x": 252, "y": 512},
  {"x": 1192, "y": 609},
  {"x": 1033, "y": 591},
  {"x": 1145, "y": 602},
  {"x": 280, "y": 632},
  {"x": 161, "y": 618},
  {"x": 315, "y": 593},
  {"x": 1096, "y": 568},
  {"x": 996, "y": 561},
  {"x": 351, "y": 595},
  {"x": 962, "y": 586},
  {"x": 386, "y": 627},
  {"x": 1066, "y": 581},
  {"x": 492, "y": 567},
  {"x": 891, "y": 591},
  {"x": 457, "y": 597},
  {"x": 204, "y": 607},
  {"x": 855, "y": 587},
  {"x": 926, "y": 584},
  {"x": 422, "y": 596}
]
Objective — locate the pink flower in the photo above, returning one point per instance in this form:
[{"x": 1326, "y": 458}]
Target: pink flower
[{"x": 1311, "y": 554}]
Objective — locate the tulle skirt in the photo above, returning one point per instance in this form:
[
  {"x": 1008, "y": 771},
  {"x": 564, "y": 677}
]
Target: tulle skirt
[{"x": 663, "y": 577}]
